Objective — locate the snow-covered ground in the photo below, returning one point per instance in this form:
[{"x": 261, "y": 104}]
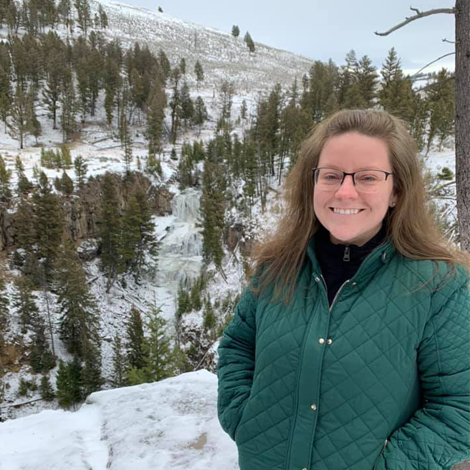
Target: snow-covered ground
[{"x": 170, "y": 424}]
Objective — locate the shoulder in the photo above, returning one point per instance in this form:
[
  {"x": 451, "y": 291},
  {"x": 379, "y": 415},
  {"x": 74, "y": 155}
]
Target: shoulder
[
  {"x": 443, "y": 282},
  {"x": 436, "y": 275}
]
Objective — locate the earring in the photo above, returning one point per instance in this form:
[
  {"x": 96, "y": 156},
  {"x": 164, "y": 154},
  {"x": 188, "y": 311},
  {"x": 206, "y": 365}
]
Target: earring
[{"x": 392, "y": 204}]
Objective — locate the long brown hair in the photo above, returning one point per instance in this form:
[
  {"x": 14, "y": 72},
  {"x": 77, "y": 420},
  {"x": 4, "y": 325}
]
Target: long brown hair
[{"x": 410, "y": 224}]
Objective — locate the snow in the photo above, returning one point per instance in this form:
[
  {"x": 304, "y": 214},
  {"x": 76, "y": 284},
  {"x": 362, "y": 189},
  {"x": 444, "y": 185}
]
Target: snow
[{"x": 168, "y": 424}]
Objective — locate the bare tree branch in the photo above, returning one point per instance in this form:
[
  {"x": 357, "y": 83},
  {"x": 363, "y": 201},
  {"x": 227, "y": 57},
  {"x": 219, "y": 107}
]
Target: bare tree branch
[
  {"x": 450, "y": 42},
  {"x": 419, "y": 14},
  {"x": 429, "y": 85},
  {"x": 430, "y": 63}
]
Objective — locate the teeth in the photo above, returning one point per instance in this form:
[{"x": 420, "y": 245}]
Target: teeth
[{"x": 346, "y": 211}]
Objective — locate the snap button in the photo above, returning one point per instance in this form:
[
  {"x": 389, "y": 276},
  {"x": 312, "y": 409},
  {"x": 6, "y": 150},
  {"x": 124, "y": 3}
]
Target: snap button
[
  {"x": 314, "y": 407},
  {"x": 321, "y": 340},
  {"x": 317, "y": 279},
  {"x": 354, "y": 284},
  {"x": 329, "y": 341}
]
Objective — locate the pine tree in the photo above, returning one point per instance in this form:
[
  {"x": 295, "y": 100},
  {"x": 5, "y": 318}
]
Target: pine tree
[
  {"x": 24, "y": 304},
  {"x": 212, "y": 208},
  {"x": 80, "y": 170},
  {"x": 367, "y": 79},
  {"x": 112, "y": 85},
  {"x": 420, "y": 122},
  {"x": 158, "y": 357},
  {"x": 110, "y": 231},
  {"x": 138, "y": 92},
  {"x": 52, "y": 89},
  {"x": 164, "y": 63},
  {"x": 318, "y": 86},
  {"x": 20, "y": 116},
  {"x": 250, "y": 168},
  {"x": 48, "y": 222},
  {"x": 135, "y": 339},
  {"x": 64, "y": 9},
  {"x": 119, "y": 363},
  {"x": 235, "y": 31},
  {"x": 227, "y": 92},
  {"x": 4, "y": 310},
  {"x": 5, "y": 176},
  {"x": 24, "y": 185},
  {"x": 396, "y": 94},
  {"x": 175, "y": 104},
  {"x": 103, "y": 17},
  {"x": 182, "y": 66},
  {"x": 23, "y": 387},
  {"x": 243, "y": 110},
  {"x": 5, "y": 83},
  {"x": 83, "y": 87},
  {"x": 155, "y": 121},
  {"x": 147, "y": 245},
  {"x": 25, "y": 230},
  {"x": 209, "y": 319},
  {"x": 91, "y": 379},
  {"x": 69, "y": 107},
  {"x": 249, "y": 42},
  {"x": 84, "y": 15},
  {"x": 199, "y": 72},
  {"x": 130, "y": 232},
  {"x": 185, "y": 168},
  {"x": 47, "y": 392},
  {"x": 78, "y": 322},
  {"x": 126, "y": 139},
  {"x": 66, "y": 184},
  {"x": 68, "y": 383},
  {"x": 441, "y": 105},
  {"x": 41, "y": 358},
  {"x": 186, "y": 105},
  {"x": 353, "y": 98}
]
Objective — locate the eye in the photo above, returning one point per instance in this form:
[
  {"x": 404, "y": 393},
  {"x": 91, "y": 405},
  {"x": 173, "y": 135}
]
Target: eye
[
  {"x": 331, "y": 176},
  {"x": 367, "y": 178}
]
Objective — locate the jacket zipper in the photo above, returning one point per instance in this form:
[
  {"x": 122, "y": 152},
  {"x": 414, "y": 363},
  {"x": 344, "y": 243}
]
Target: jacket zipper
[
  {"x": 347, "y": 254},
  {"x": 337, "y": 293},
  {"x": 380, "y": 455}
]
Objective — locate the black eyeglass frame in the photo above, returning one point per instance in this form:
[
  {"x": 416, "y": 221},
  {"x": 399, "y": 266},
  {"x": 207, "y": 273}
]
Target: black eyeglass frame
[{"x": 387, "y": 174}]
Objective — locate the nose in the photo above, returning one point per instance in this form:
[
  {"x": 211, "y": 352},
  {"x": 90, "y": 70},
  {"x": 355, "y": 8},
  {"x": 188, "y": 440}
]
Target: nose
[{"x": 347, "y": 190}]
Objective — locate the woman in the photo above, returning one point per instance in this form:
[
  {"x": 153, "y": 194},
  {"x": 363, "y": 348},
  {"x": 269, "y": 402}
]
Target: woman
[{"x": 350, "y": 349}]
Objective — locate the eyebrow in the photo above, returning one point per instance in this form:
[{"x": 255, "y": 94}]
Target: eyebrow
[{"x": 335, "y": 167}]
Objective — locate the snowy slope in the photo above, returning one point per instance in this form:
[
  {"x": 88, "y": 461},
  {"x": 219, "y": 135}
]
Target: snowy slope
[
  {"x": 222, "y": 56},
  {"x": 169, "y": 424}
]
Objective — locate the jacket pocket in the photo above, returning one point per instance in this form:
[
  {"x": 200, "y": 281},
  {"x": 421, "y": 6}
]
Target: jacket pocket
[{"x": 380, "y": 455}]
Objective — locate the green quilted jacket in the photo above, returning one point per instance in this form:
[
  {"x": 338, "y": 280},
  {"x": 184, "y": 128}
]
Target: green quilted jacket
[{"x": 378, "y": 380}]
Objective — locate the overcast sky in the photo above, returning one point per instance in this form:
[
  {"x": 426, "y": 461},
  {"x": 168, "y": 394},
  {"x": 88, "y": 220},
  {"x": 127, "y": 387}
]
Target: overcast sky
[{"x": 324, "y": 29}]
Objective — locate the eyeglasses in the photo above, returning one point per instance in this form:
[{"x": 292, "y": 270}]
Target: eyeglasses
[{"x": 365, "y": 181}]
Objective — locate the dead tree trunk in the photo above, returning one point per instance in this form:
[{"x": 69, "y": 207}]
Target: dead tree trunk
[{"x": 462, "y": 119}]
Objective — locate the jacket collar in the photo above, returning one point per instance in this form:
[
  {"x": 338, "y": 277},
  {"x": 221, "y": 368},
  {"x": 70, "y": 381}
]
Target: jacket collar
[{"x": 378, "y": 257}]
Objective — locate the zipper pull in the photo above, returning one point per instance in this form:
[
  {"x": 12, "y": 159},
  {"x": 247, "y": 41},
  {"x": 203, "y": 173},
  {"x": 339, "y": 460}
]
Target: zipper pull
[{"x": 346, "y": 256}]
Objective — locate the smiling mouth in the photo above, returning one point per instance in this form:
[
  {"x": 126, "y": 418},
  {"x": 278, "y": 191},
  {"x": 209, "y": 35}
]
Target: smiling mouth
[{"x": 346, "y": 211}]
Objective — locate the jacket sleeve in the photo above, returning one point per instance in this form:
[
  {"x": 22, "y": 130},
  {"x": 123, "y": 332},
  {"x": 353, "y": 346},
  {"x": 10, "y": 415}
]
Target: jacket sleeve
[
  {"x": 236, "y": 363},
  {"x": 438, "y": 435}
]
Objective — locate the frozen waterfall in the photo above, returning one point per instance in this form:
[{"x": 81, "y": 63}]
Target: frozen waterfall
[{"x": 180, "y": 255}]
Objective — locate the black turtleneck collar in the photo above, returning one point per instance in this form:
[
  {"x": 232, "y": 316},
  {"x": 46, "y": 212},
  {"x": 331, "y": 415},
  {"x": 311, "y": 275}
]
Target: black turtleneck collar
[{"x": 340, "y": 262}]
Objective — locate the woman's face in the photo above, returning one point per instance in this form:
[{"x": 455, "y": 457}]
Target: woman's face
[{"x": 353, "y": 152}]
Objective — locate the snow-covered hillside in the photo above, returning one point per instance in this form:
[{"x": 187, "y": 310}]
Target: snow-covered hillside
[
  {"x": 169, "y": 424},
  {"x": 222, "y": 56}
]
